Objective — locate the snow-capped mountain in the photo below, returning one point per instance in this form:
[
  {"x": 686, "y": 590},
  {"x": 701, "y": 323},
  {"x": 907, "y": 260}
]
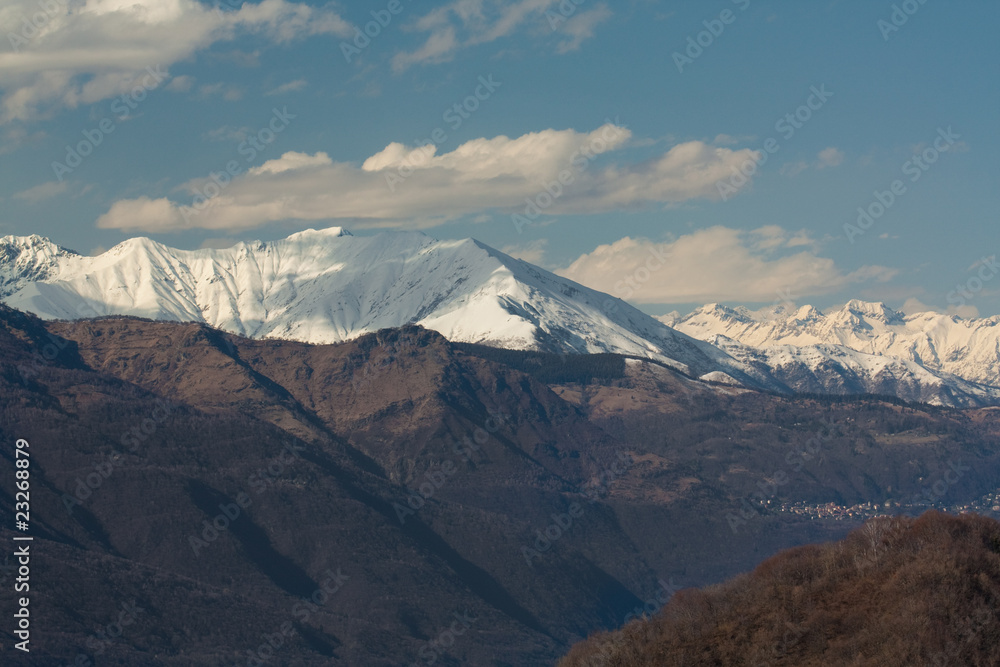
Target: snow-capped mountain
[
  {"x": 926, "y": 356},
  {"x": 329, "y": 286}
]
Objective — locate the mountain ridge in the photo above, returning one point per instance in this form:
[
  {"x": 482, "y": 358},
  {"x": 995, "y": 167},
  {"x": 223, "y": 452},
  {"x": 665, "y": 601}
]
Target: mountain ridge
[
  {"x": 327, "y": 286},
  {"x": 960, "y": 355}
]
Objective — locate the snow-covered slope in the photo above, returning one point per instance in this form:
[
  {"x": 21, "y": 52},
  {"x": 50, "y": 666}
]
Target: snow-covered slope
[
  {"x": 328, "y": 286},
  {"x": 938, "y": 353},
  {"x": 836, "y": 369}
]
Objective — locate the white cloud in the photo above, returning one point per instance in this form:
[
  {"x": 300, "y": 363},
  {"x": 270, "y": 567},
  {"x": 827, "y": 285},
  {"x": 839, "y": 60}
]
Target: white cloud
[
  {"x": 88, "y": 51},
  {"x": 829, "y": 157},
  {"x": 180, "y": 84},
  {"x": 532, "y": 252},
  {"x": 226, "y": 91},
  {"x": 290, "y": 87},
  {"x": 42, "y": 192},
  {"x": 439, "y": 48},
  {"x": 465, "y": 23},
  {"x": 581, "y": 27},
  {"x": 292, "y": 161},
  {"x": 714, "y": 264},
  {"x": 14, "y": 137},
  {"x": 793, "y": 168},
  {"x": 913, "y": 305},
  {"x": 228, "y": 133},
  {"x": 401, "y": 186}
]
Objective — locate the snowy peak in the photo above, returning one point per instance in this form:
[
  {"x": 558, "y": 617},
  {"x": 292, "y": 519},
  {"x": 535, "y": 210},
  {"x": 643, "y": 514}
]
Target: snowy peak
[
  {"x": 314, "y": 234},
  {"x": 24, "y": 259},
  {"x": 947, "y": 347},
  {"x": 865, "y": 312},
  {"x": 326, "y": 286}
]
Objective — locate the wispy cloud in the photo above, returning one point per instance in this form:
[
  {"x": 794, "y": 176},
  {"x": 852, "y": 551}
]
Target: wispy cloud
[
  {"x": 227, "y": 133},
  {"x": 226, "y": 91},
  {"x": 465, "y": 23},
  {"x": 89, "y": 51},
  {"x": 42, "y": 192},
  {"x": 829, "y": 157},
  {"x": 582, "y": 27},
  {"x": 290, "y": 87},
  {"x": 533, "y": 252}
]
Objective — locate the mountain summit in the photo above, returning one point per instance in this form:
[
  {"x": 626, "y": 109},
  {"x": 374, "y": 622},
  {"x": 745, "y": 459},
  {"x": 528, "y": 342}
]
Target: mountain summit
[
  {"x": 965, "y": 347},
  {"x": 328, "y": 286}
]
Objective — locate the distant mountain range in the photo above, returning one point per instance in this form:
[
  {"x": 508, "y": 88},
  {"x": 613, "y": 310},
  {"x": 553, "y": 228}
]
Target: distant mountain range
[
  {"x": 329, "y": 286},
  {"x": 862, "y": 346}
]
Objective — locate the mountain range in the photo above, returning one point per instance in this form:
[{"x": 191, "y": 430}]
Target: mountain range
[
  {"x": 278, "y": 502},
  {"x": 861, "y": 346},
  {"x": 328, "y": 286}
]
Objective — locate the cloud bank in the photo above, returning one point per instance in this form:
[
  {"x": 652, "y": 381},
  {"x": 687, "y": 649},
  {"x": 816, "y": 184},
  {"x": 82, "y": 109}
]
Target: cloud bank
[
  {"x": 716, "y": 264},
  {"x": 402, "y": 186}
]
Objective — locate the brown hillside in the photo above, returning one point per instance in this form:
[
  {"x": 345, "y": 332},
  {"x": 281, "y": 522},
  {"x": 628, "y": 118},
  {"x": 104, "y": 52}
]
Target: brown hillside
[{"x": 898, "y": 591}]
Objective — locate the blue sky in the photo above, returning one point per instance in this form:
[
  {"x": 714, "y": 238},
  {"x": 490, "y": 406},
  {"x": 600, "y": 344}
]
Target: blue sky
[{"x": 647, "y": 128}]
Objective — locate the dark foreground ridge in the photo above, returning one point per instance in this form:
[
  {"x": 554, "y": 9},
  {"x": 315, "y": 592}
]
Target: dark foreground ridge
[
  {"x": 897, "y": 592},
  {"x": 198, "y": 498}
]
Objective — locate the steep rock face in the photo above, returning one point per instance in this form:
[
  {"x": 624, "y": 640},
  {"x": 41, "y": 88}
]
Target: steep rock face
[{"x": 328, "y": 286}]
